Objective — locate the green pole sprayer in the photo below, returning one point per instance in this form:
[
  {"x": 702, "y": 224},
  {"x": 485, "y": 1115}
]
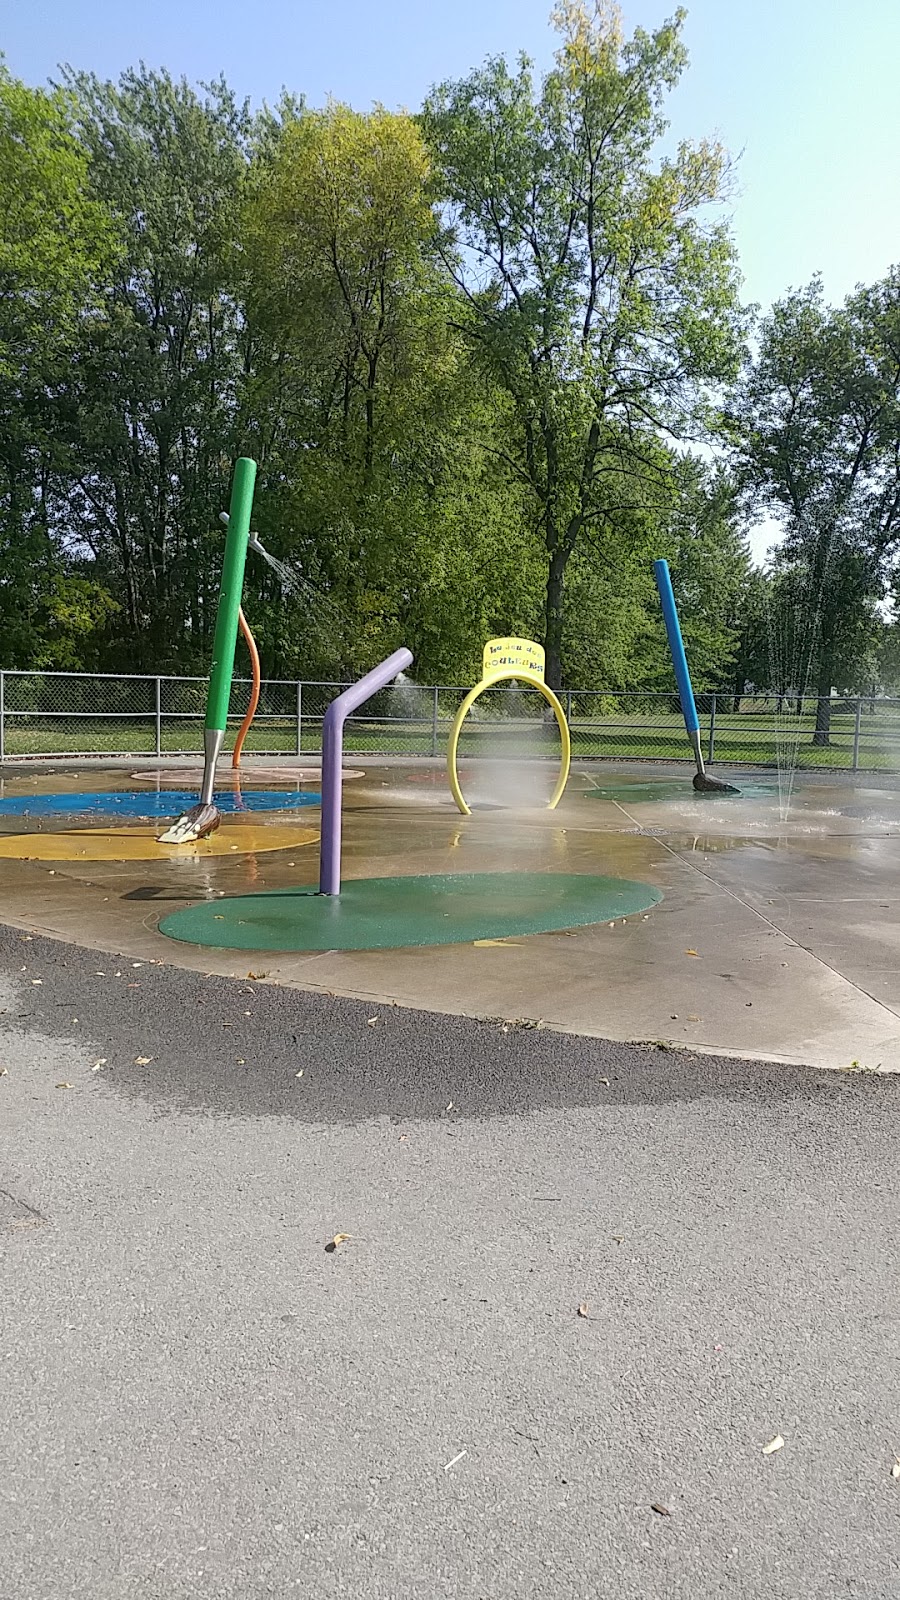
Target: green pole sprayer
[{"x": 203, "y": 818}]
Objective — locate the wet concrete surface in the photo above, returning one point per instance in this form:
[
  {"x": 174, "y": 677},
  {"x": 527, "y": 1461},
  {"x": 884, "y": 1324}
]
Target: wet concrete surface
[
  {"x": 777, "y": 935},
  {"x": 199, "y": 1399}
]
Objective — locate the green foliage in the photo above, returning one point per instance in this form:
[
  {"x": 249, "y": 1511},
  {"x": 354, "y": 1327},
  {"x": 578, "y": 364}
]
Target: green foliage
[
  {"x": 816, "y": 426},
  {"x": 56, "y": 243},
  {"x": 148, "y": 413},
  {"x": 471, "y": 351},
  {"x": 54, "y": 236},
  {"x": 887, "y": 655},
  {"x": 378, "y": 482},
  {"x": 592, "y": 292}
]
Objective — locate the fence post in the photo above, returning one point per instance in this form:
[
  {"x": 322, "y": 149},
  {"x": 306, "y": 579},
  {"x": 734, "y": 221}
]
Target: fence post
[
  {"x": 568, "y": 705},
  {"x": 857, "y": 726},
  {"x": 299, "y": 717},
  {"x": 711, "y": 753},
  {"x": 2, "y": 716},
  {"x": 158, "y": 711},
  {"x": 434, "y": 721}
]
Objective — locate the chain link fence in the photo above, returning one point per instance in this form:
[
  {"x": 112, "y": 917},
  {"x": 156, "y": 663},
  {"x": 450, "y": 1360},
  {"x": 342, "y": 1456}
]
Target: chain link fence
[{"x": 46, "y": 714}]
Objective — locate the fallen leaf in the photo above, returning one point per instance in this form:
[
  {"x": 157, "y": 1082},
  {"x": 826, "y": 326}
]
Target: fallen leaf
[
  {"x": 584, "y": 1309},
  {"x": 895, "y": 1469},
  {"x": 142, "y": 1061},
  {"x": 4, "y": 1072},
  {"x": 335, "y": 1243},
  {"x": 774, "y": 1444},
  {"x": 690, "y": 952},
  {"x": 65, "y": 1085},
  {"x": 37, "y": 981},
  {"x": 661, "y": 1511},
  {"x": 299, "y": 1074},
  {"x": 604, "y": 1081},
  {"x": 99, "y": 1064},
  {"x": 484, "y": 944},
  {"x": 371, "y": 1022}
]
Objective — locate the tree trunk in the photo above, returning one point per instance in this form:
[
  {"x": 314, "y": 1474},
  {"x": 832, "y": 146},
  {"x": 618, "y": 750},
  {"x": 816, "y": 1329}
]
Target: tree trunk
[
  {"x": 553, "y": 618},
  {"x": 823, "y": 705}
]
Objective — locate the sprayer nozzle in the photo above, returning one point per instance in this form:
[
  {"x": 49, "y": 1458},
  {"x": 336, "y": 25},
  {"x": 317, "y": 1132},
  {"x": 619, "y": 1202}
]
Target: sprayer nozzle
[
  {"x": 254, "y": 544},
  {"x": 224, "y": 518}
]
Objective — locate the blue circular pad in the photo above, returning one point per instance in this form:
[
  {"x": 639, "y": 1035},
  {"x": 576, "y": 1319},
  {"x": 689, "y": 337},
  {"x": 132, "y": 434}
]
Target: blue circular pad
[{"x": 155, "y": 803}]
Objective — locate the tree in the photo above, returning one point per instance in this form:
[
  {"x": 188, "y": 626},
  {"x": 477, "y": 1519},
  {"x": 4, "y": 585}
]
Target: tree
[
  {"x": 54, "y": 235},
  {"x": 346, "y": 343},
  {"x": 56, "y": 240},
  {"x": 886, "y": 674},
  {"x": 817, "y": 430},
  {"x": 376, "y": 480},
  {"x": 614, "y": 627},
  {"x": 752, "y": 653},
  {"x": 704, "y": 540},
  {"x": 596, "y": 294},
  {"x": 149, "y": 410}
]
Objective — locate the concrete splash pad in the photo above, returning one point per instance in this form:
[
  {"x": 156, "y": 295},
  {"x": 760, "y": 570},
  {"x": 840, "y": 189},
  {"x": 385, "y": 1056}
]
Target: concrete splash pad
[
  {"x": 776, "y": 937},
  {"x": 403, "y": 912}
]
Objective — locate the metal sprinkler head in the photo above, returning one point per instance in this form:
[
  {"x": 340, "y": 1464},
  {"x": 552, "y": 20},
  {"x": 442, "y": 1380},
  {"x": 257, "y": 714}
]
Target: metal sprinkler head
[{"x": 254, "y": 542}]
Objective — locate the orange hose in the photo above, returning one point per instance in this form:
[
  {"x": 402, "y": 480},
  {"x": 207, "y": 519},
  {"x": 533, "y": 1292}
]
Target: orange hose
[{"x": 254, "y": 692}]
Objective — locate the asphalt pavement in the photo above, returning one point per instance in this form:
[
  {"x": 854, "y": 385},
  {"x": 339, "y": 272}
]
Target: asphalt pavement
[{"x": 584, "y": 1285}]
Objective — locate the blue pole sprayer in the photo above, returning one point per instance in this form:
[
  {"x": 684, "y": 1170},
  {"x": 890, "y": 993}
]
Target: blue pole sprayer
[{"x": 702, "y": 780}]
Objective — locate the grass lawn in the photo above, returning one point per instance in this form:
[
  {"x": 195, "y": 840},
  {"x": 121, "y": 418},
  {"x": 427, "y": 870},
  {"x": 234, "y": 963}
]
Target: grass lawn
[{"x": 742, "y": 739}]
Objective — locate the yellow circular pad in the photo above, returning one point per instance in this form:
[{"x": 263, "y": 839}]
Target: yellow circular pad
[{"x": 140, "y": 844}]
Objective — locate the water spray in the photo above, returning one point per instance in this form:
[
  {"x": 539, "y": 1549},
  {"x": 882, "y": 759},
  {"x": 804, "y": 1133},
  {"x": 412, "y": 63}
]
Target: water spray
[{"x": 702, "y": 781}]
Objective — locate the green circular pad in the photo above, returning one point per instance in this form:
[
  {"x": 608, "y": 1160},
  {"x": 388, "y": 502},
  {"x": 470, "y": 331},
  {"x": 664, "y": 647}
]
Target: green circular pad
[
  {"x": 680, "y": 789},
  {"x": 393, "y": 913}
]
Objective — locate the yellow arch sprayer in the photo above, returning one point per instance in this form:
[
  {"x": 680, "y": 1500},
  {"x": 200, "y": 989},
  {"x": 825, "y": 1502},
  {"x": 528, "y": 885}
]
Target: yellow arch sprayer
[{"x": 522, "y": 660}]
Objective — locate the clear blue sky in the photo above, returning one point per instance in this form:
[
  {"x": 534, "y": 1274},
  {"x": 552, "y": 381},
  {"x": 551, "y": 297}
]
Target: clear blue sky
[{"x": 804, "y": 90}]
